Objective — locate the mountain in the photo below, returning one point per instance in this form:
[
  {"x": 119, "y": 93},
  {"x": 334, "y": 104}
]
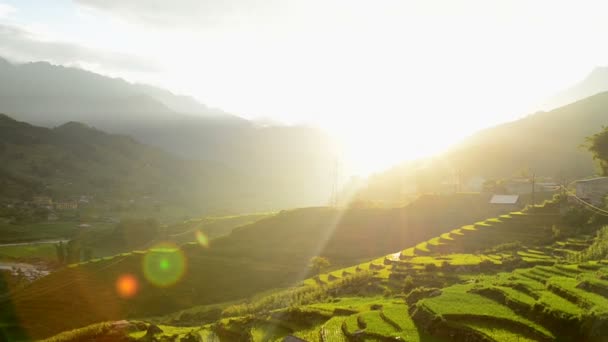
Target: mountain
[
  {"x": 276, "y": 158},
  {"x": 47, "y": 94},
  {"x": 75, "y": 159},
  {"x": 545, "y": 143},
  {"x": 596, "y": 82}
]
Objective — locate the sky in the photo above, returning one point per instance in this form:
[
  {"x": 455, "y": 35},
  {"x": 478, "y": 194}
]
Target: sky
[{"x": 395, "y": 80}]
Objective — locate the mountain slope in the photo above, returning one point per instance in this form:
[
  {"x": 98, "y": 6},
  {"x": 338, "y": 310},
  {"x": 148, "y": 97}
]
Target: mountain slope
[
  {"x": 549, "y": 143},
  {"x": 47, "y": 94},
  {"x": 74, "y": 159},
  {"x": 596, "y": 82},
  {"x": 275, "y": 158},
  {"x": 546, "y": 143}
]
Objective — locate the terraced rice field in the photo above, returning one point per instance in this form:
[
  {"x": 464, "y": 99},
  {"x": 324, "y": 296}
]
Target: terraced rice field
[
  {"x": 521, "y": 293},
  {"x": 373, "y": 318},
  {"x": 539, "y": 303}
]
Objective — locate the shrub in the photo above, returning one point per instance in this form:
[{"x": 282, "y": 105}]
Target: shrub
[
  {"x": 352, "y": 284},
  {"x": 408, "y": 284},
  {"x": 421, "y": 292},
  {"x": 598, "y": 250},
  {"x": 430, "y": 267},
  {"x": 486, "y": 265}
]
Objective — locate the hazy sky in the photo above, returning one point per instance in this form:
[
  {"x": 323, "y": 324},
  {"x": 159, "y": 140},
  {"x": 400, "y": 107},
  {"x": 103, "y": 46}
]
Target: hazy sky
[{"x": 396, "y": 79}]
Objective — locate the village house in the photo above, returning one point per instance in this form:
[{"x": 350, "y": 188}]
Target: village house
[
  {"x": 592, "y": 190},
  {"x": 42, "y": 201},
  {"x": 509, "y": 202},
  {"x": 66, "y": 205}
]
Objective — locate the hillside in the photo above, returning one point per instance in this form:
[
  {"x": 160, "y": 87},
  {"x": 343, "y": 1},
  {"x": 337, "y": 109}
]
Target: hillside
[
  {"x": 50, "y": 95},
  {"x": 539, "y": 290},
  {"x": 546, "y": 143},
  {"x": 502, "y": 292},
  {"x": 271, "y": 253},
  {"x": 594, "y": 83},
  {"x": 300, "y": 158},
  {"x": 74, "y": 159}
]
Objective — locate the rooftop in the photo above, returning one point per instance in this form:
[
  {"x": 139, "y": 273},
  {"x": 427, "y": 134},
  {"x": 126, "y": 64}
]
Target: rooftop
[
  {"x": 591, "y": 179},
  {"x": 504, "y": 199}
]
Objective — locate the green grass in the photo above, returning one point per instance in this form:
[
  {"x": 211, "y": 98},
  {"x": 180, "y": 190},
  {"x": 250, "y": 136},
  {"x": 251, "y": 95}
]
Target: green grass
[
  {"x": 517, "y": 296},
  {"x": 310, "y": 334},
  {"x": 44, "y": 251},
  {"x": 351, "y": 303},
  {"x": 592, "y": 301},
  {"x": 332, "y": 330},
  {"x": 557, "y": 303},
  {"x": 376, "y": 325},
  {"x": 495, "y": 331},
  {"x": 351, "y": 324},
  {"x": 399, "y": 315},
  {"x": 268, "y": 333},
  {"x": 457, "y": 301},
  {"x": 422, "y": 247},
  {"x": 435, "y": 241},
  {"x": 37, "y": 231},
  {"x": 255, "y": 256},
  {"x": 90, "y": 332}
]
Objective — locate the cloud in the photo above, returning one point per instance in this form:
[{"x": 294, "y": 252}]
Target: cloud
[
  {"x": 20, "y": 44},
  {"x": 185, "y": 13},
  {"x": 6, "y": 10}
]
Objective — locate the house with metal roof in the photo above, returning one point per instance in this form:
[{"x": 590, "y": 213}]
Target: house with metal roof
[
  {"x": 504, "y": 199},
  {"x": 592, "y": 190},
  {"x": 509, "y": 202}
]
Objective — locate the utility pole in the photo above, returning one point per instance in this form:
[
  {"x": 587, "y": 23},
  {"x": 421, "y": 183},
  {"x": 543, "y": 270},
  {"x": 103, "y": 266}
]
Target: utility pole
[
  {"x": 335, "y": 186},
  {"x": 533, "y": 188},
  {"x": 459, "y": 180}
]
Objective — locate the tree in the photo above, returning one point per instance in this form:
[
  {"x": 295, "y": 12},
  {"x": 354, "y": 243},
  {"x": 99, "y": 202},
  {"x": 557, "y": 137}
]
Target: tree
[
  {"x": 318, "y": 263},
  {"x": 60, "y": 250},
  {"x": 494, "y": 186},
  {"x": 87, "y": 253},
  {"x": 72, "y": 254},
  {"x": 133, "y": 233},
  {"x": 598, "y": 146}
]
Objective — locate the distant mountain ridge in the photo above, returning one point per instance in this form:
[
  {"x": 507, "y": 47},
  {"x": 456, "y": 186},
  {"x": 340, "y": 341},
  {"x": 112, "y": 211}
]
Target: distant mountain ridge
[
  {"x": 272, "y": 158},
  {"x": 74, "y": 159},
  {"x": 40, "y": 89},
  {"x": 545, "y": 143},
  {"x": 596, "y": 82},
  {"x": 549, "y": 143}
]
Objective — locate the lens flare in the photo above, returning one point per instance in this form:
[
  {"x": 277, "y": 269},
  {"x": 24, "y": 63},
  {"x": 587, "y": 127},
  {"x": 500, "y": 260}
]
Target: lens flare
[
  {"x": 202, "y": 239},
  {"x": 164, "y": 265},
  {"x": 127, "y": 286}
]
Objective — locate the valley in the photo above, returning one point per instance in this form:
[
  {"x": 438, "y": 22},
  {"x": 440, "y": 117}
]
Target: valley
[{"x": 303, "y": 171}]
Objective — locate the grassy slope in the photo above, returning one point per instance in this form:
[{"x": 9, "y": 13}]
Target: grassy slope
[
  {"x": 37, "y": 231},
  {"x": 525, "y": 304},
  {"x": 270, "y": 253}
]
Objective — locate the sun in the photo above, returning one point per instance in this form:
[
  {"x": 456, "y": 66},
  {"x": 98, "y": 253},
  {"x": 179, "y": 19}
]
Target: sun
[{"x": 378, "y": 147}]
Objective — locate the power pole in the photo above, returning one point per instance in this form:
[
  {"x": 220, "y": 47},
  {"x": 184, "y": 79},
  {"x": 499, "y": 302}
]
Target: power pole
[
  {"x": 335, "y": 186},
  {"x": 533, "y": 188},
  {"x": 459, "y": 180}
]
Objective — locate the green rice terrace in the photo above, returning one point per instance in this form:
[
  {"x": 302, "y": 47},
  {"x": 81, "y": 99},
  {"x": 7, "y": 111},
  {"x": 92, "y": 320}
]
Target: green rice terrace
[{"x": 475, "y": 283}]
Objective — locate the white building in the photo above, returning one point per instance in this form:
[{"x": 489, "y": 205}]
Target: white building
[{"x": 592, "y": 190}]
